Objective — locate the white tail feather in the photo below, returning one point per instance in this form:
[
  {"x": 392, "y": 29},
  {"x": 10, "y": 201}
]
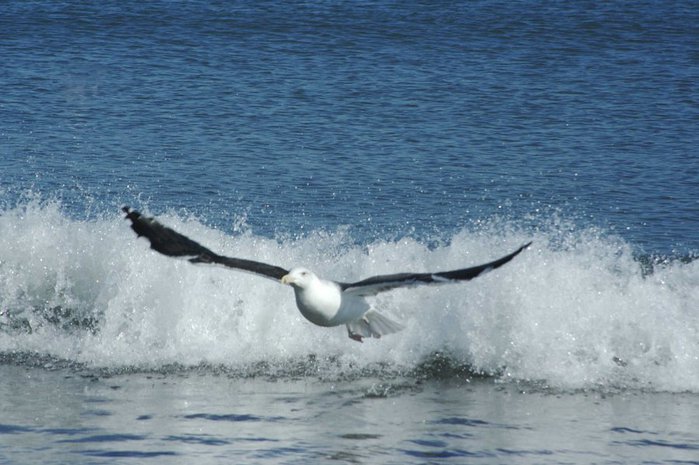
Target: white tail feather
[{"x": 373, "y": 324}]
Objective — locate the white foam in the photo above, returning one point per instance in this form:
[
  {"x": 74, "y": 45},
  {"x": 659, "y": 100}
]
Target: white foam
[{"x": 573, "y": 311}]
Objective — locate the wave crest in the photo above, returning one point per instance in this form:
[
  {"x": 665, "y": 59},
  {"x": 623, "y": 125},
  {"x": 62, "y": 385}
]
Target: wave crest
[{"x": 579, "y": 309}]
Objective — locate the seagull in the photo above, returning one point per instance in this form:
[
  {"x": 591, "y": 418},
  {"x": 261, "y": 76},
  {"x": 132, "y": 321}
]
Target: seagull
[{"x": 322, "y": 302}]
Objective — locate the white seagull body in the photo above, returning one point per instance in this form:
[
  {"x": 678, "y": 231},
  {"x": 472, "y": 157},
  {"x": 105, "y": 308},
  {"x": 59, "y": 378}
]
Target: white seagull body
[
  {"x": 324, "y": 303},
  {"x": 320, "y": 301}
]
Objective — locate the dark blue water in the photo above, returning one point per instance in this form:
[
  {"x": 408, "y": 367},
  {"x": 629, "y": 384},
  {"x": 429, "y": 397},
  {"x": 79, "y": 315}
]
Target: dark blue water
[
  {"x": 392, "y": 118},
  {"x": 356, "y": 138}
]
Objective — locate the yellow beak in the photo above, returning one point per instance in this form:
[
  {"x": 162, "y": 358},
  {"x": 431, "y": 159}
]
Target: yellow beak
[{"x": 287, "y": 279}]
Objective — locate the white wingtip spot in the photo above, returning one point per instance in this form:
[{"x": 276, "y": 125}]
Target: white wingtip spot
[{"x": 440, "y": 279}]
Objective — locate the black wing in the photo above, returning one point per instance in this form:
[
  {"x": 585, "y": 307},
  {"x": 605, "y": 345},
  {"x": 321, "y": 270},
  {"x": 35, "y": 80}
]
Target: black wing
[
  {"x": 376, "y": 284},
  {"x": 173, "y": 244}
]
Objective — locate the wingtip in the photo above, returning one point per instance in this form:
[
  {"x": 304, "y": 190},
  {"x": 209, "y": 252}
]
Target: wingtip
[
  {"x": 133, "y": 216},
  {"x": 522, "y": 248},
  {"x": 130, "y": 214}
]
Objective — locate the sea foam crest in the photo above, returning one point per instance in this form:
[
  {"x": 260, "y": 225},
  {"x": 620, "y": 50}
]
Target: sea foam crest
[{"x": 575, "y": 310}]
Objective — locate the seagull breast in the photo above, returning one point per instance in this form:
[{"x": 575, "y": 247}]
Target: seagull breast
[{"x": 318, "y": 300}]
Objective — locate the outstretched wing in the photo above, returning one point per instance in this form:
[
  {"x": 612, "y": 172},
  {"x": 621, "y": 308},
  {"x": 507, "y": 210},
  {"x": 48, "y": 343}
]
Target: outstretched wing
[
  {"x": 173, "y": 244},
  {"x": 376, "y": 284}
]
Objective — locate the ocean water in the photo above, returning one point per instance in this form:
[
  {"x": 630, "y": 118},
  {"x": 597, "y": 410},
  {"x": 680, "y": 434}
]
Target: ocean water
[{"x": 354, "y": 138}]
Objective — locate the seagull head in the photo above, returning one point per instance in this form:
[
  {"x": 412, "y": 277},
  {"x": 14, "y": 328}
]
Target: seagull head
[{"x": 299, "y": 277}]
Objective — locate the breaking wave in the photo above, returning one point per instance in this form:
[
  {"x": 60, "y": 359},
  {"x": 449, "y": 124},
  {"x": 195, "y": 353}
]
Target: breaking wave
[{"x": 580, "y": 309}]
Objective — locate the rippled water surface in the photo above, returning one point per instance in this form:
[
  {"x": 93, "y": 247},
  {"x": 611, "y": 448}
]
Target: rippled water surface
[{"x": 211, "y": 417}]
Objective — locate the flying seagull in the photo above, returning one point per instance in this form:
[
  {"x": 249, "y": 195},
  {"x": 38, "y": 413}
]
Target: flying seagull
[{"x": 322, "y": 302}]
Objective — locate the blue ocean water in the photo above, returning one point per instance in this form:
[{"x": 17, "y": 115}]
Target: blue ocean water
[
  {"x": 355, "y": 138},
  {"x": 390, "y": 118}
]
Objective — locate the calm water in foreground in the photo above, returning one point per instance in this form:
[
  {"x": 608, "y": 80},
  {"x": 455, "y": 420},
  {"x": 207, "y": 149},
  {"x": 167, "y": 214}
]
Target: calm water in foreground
[{"x": 63, "y": 416}]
